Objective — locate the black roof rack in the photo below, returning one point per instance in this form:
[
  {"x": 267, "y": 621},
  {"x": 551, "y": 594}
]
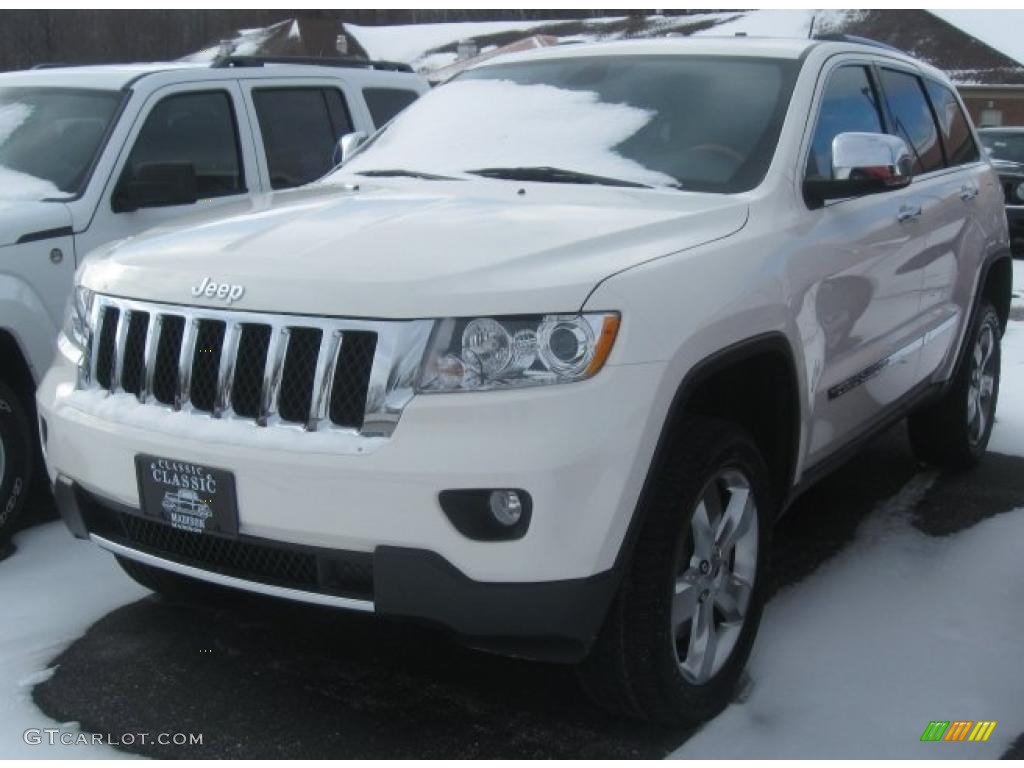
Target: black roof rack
[
  {"x": 349, "y": 62},
  {"x": 840, "y": 38}
]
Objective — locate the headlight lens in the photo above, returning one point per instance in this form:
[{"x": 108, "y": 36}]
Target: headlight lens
[
  {"x": 1019, "y": 192},
  {"x": 76, "y": 335},
  {"x": 482, "y": 353}
]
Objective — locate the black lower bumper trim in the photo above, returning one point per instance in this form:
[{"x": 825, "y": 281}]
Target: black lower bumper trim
[
  {"x": 546, "y": 620},
  {"x": 549, "y": 620}
]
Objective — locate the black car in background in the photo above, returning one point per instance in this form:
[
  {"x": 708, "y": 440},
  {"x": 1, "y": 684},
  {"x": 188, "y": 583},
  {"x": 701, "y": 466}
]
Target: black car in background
[{"x": 1006, "y": 148}]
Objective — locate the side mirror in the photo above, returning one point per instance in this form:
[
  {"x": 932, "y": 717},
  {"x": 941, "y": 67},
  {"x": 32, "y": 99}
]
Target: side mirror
[
  {"x": 154, "y": 185},
  {"x": 348, "y": 145},
  {"x": 862, "y": 164}
]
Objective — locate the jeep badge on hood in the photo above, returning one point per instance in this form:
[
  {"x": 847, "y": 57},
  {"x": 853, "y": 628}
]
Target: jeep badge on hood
[{"x": 227, "y": 292}]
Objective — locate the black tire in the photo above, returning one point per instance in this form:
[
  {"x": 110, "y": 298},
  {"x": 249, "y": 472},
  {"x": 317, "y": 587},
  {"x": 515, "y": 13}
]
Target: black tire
[
  {"x": 17, "y": 459},
  {"x": 634, "y": 667},
  {"x": 173, "y": 586},
  {"x": 945, "y": 433}
]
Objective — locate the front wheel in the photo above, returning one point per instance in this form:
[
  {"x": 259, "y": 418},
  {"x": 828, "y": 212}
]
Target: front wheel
[
  {"x": 679, "y": 633},
  {"x": 954, "y": 432},
  {"x": 16, "y": 459}
]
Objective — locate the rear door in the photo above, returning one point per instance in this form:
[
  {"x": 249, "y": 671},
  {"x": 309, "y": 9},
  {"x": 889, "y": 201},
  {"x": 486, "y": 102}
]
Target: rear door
[
  {"x": 297, "y": 124},
  {"x": 959, "y": 237}
]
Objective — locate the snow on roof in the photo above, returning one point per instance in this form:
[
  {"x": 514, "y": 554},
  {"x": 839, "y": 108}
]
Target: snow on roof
[
  {"x": 1000, "y": 30},
  {"x": 990, "y": 58}
]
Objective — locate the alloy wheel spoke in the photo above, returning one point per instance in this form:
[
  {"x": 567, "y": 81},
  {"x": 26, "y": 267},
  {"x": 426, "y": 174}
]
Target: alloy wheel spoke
[
  {"x": 735, "y": 520},
  {"x": 988, "y": 385},
  {"x": 703, "y": 530},
  {"x": 733, "y": 597},
  {"x": 982, "y": 417},
  {"x": 700, "y": 656},
  {"x": 686, "y": 599}
]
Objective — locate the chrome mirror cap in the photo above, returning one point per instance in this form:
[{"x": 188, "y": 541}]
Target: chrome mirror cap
[
  {"x": 871, "y": 156},
  {"x": 349, "y": 144}
]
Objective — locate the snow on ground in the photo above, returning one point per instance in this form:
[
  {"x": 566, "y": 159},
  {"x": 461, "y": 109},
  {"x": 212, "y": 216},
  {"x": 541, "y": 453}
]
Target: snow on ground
[
  {"x": 1008, "y": 433},
  {"x": 51, "y": 589},
  {"x": 900, "y": 629}
]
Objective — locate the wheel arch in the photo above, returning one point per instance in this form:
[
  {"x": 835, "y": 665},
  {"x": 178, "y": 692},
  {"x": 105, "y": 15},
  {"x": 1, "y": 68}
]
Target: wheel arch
[{"x": 711, "y": 388}]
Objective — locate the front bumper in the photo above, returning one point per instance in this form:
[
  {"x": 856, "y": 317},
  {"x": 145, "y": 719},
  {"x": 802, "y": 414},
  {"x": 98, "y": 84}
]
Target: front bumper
[{"x": 580, "y": 450}]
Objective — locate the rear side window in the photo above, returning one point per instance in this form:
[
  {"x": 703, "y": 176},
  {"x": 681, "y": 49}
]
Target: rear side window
[
  {"x": 301, "y": 128},
  {"x": 196, "y": 129},
  {"x": 385, "y": 103},
  {"x": 955, "y": 130},
  {"x": 912, "y": 119},
  {"x": 849, "y": 105}
]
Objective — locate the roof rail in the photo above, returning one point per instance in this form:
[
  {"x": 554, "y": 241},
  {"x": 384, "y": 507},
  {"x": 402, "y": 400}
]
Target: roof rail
[
  {"x": 349, "y": 62},
  {"x": 840, "y": 38},
  {"x": 52, "y": 65}
]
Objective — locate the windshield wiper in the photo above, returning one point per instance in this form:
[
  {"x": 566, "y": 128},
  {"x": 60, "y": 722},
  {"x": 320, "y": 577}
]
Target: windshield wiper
[
  {"x": 557, "y": 175},
  {"x": 391, "y": 172}
]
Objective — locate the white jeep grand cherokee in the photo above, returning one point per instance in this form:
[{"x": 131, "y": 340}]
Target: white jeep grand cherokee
[{"x": 545, "y": 359}]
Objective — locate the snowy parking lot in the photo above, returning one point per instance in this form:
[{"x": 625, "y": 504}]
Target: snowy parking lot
[{"x": 896, "y": 602}]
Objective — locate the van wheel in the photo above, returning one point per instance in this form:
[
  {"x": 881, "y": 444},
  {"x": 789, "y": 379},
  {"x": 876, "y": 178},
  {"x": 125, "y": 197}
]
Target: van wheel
[
  {"x": 954, "y": 432},
  {"x": 681, "y": 628},
  {"x": 173, "y": 586},
  {"x": 16, "y": 459}
]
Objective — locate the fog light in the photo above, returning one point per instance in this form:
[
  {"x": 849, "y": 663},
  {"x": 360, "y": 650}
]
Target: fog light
[
  {"x": 506, "y": 507},
  {"x": 488, "y": 514}
]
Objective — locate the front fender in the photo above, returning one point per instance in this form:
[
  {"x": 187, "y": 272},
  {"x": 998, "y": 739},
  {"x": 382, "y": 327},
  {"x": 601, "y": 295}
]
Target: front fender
[{"x": 24, "y": 317}]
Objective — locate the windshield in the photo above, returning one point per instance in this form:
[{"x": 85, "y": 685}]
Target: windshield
[
  {"x": 686, "y": 122},
  {"x": 49, "y": 137},
  {"x": 1005, "y": 146}
]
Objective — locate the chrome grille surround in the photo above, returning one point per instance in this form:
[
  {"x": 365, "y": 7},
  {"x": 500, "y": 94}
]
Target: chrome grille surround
[{"x": 389, "y": 383}]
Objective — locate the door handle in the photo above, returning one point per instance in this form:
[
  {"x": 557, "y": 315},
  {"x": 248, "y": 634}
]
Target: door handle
[
  {"x": 908, "y": 212},
  {"x": 968, "y": 192}
]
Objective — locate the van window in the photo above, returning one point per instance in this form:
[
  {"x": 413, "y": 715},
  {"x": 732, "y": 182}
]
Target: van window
[{"x": 301, "y": 128}]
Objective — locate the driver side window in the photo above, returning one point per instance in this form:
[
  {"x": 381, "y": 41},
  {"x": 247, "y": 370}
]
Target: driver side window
[
  {"x": 849, "y": 104},
  {"x": 191, "y": 129}
]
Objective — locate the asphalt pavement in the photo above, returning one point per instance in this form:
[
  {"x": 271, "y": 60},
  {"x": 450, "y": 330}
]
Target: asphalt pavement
[{"x": 265, "y": 679}]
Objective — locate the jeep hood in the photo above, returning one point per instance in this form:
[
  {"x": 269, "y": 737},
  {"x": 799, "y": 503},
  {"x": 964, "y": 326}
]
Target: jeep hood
[
  {"x": 415, "y": 249},
  {"x": 23, "y": 218}
]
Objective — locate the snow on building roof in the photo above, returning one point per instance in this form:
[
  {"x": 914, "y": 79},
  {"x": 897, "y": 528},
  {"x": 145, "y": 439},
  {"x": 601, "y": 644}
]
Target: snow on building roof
[{"x": 974, "y": 46}]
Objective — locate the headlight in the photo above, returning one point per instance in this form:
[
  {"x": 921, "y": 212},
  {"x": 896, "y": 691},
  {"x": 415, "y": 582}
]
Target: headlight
[
  {"x": 76, "y": 336},
  {"x": 1019, "y": 192},
  {"x": 472, "y": 354}
]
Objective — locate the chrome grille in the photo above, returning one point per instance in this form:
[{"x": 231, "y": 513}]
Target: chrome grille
[{"x": 317, "y": 373}]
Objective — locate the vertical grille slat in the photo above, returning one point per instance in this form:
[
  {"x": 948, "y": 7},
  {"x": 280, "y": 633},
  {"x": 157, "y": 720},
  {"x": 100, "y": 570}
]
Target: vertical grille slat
[
  {"x": 109, "y": 320},
  {"x": 153, "y": 332},
  {"x": 250, "y": 362},
  {"x": 168, "y": 351},
  {"x": 206, "y": 364},
  {"x": 317, "y": 373},
  {"x": 297, "y": 378},
  {"x": 133, "y": 359},
  {"x": 352, "y": 378}
]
